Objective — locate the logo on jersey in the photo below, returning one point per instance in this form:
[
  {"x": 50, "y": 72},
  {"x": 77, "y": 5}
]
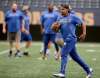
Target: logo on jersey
[{"x": 64, "y": 20}]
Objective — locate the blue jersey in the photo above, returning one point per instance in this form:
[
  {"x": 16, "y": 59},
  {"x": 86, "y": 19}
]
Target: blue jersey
[
  {"x": 13, "y": 20},
  {"x": 68, "y": 26},
  {"x": 26, "y": 19},
  {"x": 47, "y": 19}
]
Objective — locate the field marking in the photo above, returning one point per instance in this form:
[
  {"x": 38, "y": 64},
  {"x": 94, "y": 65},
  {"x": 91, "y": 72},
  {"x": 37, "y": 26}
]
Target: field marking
[
  {"x": 6, "y": 51},
  {"x": 3, "y": 52},
  {"x": 40, "y": 43},
  {"x": 78, "y": 44},
  {"x": 94, "y": 59},
  {"x": 22, "y": 45},
  {"x": 91, "y": 50}
]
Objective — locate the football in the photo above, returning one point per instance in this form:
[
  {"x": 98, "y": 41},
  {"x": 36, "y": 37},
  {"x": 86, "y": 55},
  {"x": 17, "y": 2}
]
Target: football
[{"x": 55, "y": 27}]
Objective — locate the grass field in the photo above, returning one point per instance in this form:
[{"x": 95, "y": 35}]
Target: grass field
[{"x": 32, "y": 67}]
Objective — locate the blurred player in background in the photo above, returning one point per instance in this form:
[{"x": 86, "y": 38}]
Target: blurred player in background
[
  {"x": 25, "y": 35},
  {"x": 58, "y": 38},
  {"x": 48, "y": 17},
  {"x": 13, "y": 20},
  {"x": 67, "y": 24}
]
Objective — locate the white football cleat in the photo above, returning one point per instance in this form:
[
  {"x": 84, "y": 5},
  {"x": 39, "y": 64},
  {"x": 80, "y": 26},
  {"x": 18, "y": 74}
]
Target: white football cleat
[
  {"x": 89, "y": 75},
  {"x": 59, "y": 75},
  {"x": 57, "y": 55}
]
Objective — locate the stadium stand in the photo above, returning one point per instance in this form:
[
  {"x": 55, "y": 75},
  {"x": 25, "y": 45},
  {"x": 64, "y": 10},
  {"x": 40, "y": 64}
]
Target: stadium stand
[
  {"x": 89, "y": 10},
  {"x": 41, "y": 4}
]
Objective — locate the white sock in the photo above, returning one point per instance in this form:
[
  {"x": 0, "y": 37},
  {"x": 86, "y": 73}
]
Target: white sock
[
  {"x": 42, "y": 48},
  {"x": 48, "y": 51}
]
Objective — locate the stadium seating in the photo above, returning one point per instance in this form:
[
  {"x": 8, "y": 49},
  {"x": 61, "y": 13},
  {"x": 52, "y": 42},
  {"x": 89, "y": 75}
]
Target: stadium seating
[{"x": 41, "y": 4}]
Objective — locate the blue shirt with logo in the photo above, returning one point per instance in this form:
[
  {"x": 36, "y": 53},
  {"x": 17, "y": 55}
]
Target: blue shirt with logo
[
  {"x": 47, "y": 19},
  {"x": 13, "y": 20},
  {"x": 68, "y": 26}
]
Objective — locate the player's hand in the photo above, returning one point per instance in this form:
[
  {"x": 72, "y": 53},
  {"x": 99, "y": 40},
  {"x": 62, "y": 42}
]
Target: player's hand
[
  {"x": 23, "y": 29},
  {"x": 27, "y": 32},
  {"x": 4, "y": 30},
  {"x": 42, "y": 31},
  {"x": 82, "y": 37},
  {"x": 55, "y": 27}
]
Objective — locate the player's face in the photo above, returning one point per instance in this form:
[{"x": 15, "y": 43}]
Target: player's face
[
  {"x": 14, "y": 7},
  {"x": 26, "y": 9},
  {"x": 64, "y": 11},
  {"x": 50, "y": 7}
]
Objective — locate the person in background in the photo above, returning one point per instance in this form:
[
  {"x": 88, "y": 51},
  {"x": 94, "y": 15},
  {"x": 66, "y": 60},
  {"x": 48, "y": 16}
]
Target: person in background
[
  {"x": 13, "y": 19},
  {"x": 25, "y": 34},
  {"x": 48, "y": 17}
]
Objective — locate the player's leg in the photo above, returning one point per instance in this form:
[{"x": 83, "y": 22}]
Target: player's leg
[
  {"x": 28, "y": 44},
  {"x": 59, "y": 40},
  {"x": 64, "y": 57},
  {"x": 57, "y": 53},
  {"x": 49, "y": 45},
  {"x": 75, "y": 56},
  {"x": 42, "y": 46},
  {"x": 10, "y": 43},
  {"x": 17, "y": 43},
  {"x": 46, "y": 39},
  {"x": 11, "y": 48}
]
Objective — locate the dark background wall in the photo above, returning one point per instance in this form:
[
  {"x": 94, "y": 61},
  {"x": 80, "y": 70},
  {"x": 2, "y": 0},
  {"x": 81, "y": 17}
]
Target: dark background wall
[{"x": 93, "y": 33}]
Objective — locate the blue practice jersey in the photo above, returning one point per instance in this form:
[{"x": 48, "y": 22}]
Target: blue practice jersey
[
  {"x": 68, "y": 26},
  {"x": 13, "y": 20},
  {"x": 26, "y": 19},
  {"x": 47, "y": 19}
]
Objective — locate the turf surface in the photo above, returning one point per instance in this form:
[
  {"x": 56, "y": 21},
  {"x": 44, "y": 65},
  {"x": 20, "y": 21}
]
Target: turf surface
[{"x": 32, "y": 67}]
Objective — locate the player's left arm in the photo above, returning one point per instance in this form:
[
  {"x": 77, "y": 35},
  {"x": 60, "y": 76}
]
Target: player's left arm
[
  {"x": 83, "y": 35},
  {"x": 80, "y": 21}
]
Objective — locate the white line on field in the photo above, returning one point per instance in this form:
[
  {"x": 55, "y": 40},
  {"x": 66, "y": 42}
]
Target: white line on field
[
  {"x": 91, "y": 50},
  {"x": 22, "y": 45},
  {"x": 5, "y": 51}
]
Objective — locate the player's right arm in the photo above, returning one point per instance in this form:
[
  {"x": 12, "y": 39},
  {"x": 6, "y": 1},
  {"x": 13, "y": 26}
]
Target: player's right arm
[
  {"x": 4, "y": 27},
  {"x": 42, "y": 23},
  {"x": 55, "y": 26},
  {"x": 4, "y": 23}
]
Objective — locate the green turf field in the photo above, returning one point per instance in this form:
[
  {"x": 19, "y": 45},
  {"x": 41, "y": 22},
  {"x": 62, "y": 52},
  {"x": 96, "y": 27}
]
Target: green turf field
[{"x": 32, "y": 67}]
